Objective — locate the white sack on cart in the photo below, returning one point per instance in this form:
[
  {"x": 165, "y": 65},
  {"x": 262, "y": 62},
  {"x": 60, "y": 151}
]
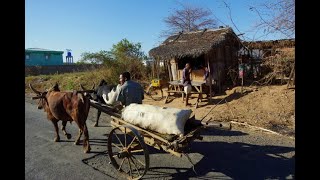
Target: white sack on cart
[{"x": 164, "y": 120}]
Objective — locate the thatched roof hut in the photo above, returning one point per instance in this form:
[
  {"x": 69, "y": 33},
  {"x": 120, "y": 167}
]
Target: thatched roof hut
[
  {"x": 193, "y": 44},
  {"x": 214, "y": 48}
]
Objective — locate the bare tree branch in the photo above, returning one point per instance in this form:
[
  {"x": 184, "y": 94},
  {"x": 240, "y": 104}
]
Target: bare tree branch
[
  {"x": 188, "y": 19},
  {"x": 277, "y": 16},
  {"x": 231, "y": 16}
]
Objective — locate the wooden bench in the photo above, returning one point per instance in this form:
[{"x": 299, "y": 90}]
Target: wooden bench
[
  {"x": 174, "y": 92},
  {"x": 177, "y": 87}
]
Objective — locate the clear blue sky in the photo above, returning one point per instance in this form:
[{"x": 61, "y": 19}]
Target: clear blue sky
[{"x": 91, "y": 26}]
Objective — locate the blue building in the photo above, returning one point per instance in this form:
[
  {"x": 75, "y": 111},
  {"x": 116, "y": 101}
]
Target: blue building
[{"x": 43, "y": 57}]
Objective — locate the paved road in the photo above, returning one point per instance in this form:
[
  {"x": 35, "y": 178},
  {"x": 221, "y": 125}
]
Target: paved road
[{"x": 237, "y": 154}]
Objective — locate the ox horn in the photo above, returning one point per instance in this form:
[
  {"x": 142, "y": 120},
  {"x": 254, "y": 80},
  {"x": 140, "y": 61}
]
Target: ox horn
[
  {"x": 82, "y": 87},
  {"x": 34, "y": 90},
  {"x": 94, "y": 85},
  {"x": 56, "y": 87}
]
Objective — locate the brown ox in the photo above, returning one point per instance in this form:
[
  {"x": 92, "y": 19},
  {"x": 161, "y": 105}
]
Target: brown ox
[{"x": 65, "y": 106}]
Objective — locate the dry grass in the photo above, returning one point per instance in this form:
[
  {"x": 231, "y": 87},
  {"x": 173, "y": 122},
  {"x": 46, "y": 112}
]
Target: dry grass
[{"x": 70, "y": 81}]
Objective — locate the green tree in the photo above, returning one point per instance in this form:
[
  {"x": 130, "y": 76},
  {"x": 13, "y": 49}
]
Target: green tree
[
  {"x": 101, "y": 57},
  {"x": 126, "y": 49},
  {"x": 123, "y": 56},
  {"x": 130, "y": 57}
]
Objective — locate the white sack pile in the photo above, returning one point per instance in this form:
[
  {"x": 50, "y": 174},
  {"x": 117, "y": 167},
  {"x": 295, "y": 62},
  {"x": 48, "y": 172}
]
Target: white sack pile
[{"x": 164, "y": 120}]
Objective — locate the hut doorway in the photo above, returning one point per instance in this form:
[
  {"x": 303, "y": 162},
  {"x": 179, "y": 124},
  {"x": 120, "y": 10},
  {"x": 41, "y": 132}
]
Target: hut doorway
[{"x": 197, "y": 65}]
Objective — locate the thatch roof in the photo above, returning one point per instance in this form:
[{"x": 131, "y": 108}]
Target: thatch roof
[
  {"x": 271, "y": 44},
  {"x": 193, "y": 44}
]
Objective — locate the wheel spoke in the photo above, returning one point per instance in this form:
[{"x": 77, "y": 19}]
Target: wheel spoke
[
  {"x": 132, "y": 141},
  {"x": 139, "y": 161},
  {"x": 118, "y": 139},
  {"x": 129, "y": 166},
  {"x": 121, "y": 164},
  {"x": 116, "y": 146},
  {"x": 135, "y": 166},
  {"x": 138, "y": 150}
]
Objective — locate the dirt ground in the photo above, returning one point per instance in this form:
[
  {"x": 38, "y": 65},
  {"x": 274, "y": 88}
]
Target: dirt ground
[{"x": 269, "y": 107}]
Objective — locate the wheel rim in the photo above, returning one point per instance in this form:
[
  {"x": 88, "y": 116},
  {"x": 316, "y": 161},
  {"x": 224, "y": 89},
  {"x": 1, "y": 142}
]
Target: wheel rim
[
  {"x": 156, "y": 93},
  {"x": 128, "y": 152}
]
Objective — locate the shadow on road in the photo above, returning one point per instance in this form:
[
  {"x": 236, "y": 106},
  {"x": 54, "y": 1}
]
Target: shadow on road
[
  {"x": 98, "y": 142},
  {"x": 237, "y": 161},
  {"x": 229, "y": 98},
  {"x": 219, "y": 132}
]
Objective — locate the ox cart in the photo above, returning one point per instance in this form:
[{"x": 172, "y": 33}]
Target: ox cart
[{"x": 127, "y": 143}]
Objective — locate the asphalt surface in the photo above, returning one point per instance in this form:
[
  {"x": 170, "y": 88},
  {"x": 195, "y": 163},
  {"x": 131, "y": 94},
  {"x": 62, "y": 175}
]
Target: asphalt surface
[{"x": 237, "y": 154}]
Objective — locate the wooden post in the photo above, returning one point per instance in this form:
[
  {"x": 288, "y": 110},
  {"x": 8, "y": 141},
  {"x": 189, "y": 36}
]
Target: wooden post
[
  {"x": 174, "y": 69},
  {"x": 292, "y": 76},
  {"x": 169, "y": 70},
  {"x": 158, "y": 68},
  {"x": 242, "y": 75},
  {"x": 153, "y": 68},
  {"x": 210, "y": 77}
]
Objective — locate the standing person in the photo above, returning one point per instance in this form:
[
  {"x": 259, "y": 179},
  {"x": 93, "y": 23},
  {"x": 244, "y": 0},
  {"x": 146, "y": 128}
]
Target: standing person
[
  {"x": 130, "y": 91},
  {"x": 206, "y": 79},
  {"x": 186, "y": 81}
]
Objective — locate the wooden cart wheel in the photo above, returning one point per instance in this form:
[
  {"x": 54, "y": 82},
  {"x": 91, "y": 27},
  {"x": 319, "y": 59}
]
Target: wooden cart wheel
[
  {"x": 128, "y": 152},
  {"x": 155, "y": 93}
]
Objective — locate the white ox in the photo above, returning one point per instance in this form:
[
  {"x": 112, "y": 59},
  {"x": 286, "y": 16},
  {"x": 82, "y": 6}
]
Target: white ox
[
  {"x": 110, "y": 95},
  {"x": 104, "y": 94}
]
